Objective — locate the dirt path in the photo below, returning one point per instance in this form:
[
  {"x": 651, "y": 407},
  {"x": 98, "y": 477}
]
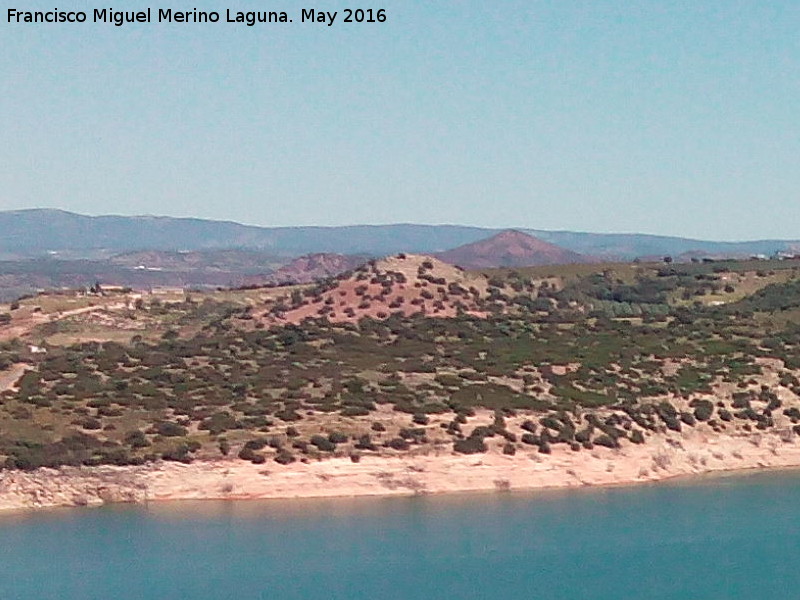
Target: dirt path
[
  {"x": 10, "y": 377},
  {"x": 22, "y": 326}
]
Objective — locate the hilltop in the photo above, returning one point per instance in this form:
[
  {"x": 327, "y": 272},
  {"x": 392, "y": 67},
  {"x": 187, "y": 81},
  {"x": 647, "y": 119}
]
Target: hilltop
[
  {"x": 404, "y": 285},
  {"x": 510, "y": 249}
]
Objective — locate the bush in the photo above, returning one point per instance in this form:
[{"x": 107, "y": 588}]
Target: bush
[
  {"x": 284, "y": 457},
  {"x": 365, "y": 443},
  {"x": 246, "y": 453},
  {"x": 256, "y": 444},
  {"x": 178, "y": 454},
  {"x": 170, "y": 429},
  {"x": 288, "y": 415},
  {"x": 398, "y": 444},
  {"x": 584, "y": 435},
  {"x": 420, "y": 419},
  {"x": 354, "y": 411},
  {"x": 323, "y": 443},
  {"x": 606, "y": 440},
  {"x": 89, "y": 423},
  {"x": 218, "y": 423},
  {"x": 703, "y": 409},
  {"x": 470, "y": 445},
  {"x": 137, "y": 439},
  {"x": 337, "y": 438}
]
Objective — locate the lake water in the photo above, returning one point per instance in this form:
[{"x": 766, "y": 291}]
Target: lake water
[{"x": 721, "y": 538}]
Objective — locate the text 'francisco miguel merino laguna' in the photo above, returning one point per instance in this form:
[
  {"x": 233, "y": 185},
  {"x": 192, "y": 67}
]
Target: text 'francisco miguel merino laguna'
[{"x": 168, "y": 15}]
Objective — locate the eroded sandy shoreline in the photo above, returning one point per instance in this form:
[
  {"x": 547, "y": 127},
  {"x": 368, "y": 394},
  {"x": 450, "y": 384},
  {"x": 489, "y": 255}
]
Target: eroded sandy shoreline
[{"x": 438, "y": 471}]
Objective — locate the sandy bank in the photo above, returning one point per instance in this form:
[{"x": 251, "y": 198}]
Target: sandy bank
[{"x": 663, "y": 457}]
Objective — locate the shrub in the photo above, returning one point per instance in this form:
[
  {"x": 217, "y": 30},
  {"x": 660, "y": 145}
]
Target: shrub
[
  {"x": 288, "y": 415},
  {"x": 246, "y": 453},
  {"x": 398, "y": 444},
  {"x": 323, "y": 443},
  {"x": 336, "y": 437},
  {"x": 218, "y": 423},
  {"x": 365, "y": 443},
  {"x": 284, "y": 457},
  {"x": 170, "y": 429},
  {"x": 256, "y": 444},
  {"x": 584, "y": 435},
  {"x": 606, "y": 440},
  {"x": 89, "y": 423},
  {"x": 179, "y": 453},
  {"x": 483, "y": 431},
  {"x": 420, "y": 419},
  {"x": 137, "y": 439},
  {"x": 470, "y": 445},
  {"x": 703, "y": 409}
]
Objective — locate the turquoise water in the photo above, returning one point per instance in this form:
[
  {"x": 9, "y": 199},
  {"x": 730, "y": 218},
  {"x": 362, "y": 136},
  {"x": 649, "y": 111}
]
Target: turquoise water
[{"x": 725, "y": 538}]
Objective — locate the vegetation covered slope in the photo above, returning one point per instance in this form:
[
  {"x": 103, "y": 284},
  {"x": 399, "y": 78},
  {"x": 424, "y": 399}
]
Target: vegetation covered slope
[{"x": 608, "y": 357}]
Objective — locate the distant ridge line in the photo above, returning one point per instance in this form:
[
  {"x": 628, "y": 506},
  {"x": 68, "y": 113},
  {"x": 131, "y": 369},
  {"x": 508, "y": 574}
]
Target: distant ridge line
[{"x": 35, "y": 232}]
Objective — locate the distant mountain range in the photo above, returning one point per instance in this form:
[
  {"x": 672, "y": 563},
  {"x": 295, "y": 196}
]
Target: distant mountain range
[{"x": 36, "y": 232}]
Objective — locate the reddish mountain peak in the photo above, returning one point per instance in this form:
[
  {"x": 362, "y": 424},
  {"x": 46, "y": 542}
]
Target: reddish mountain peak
[
  {"x": 514, "y": 238},
  {"x": 512, "y": 235},
  {"x": 510, "y": 248}
]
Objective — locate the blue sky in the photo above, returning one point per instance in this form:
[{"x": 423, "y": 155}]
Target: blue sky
[{"x": 659, "y": 117}]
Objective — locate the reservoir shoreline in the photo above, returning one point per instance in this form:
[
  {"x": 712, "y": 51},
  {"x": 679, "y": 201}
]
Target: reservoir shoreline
[{"x": 430, "y": 470}]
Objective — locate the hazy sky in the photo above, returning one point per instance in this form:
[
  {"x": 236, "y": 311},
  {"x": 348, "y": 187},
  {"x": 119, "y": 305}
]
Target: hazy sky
[{"x": 652, "y": 116}]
